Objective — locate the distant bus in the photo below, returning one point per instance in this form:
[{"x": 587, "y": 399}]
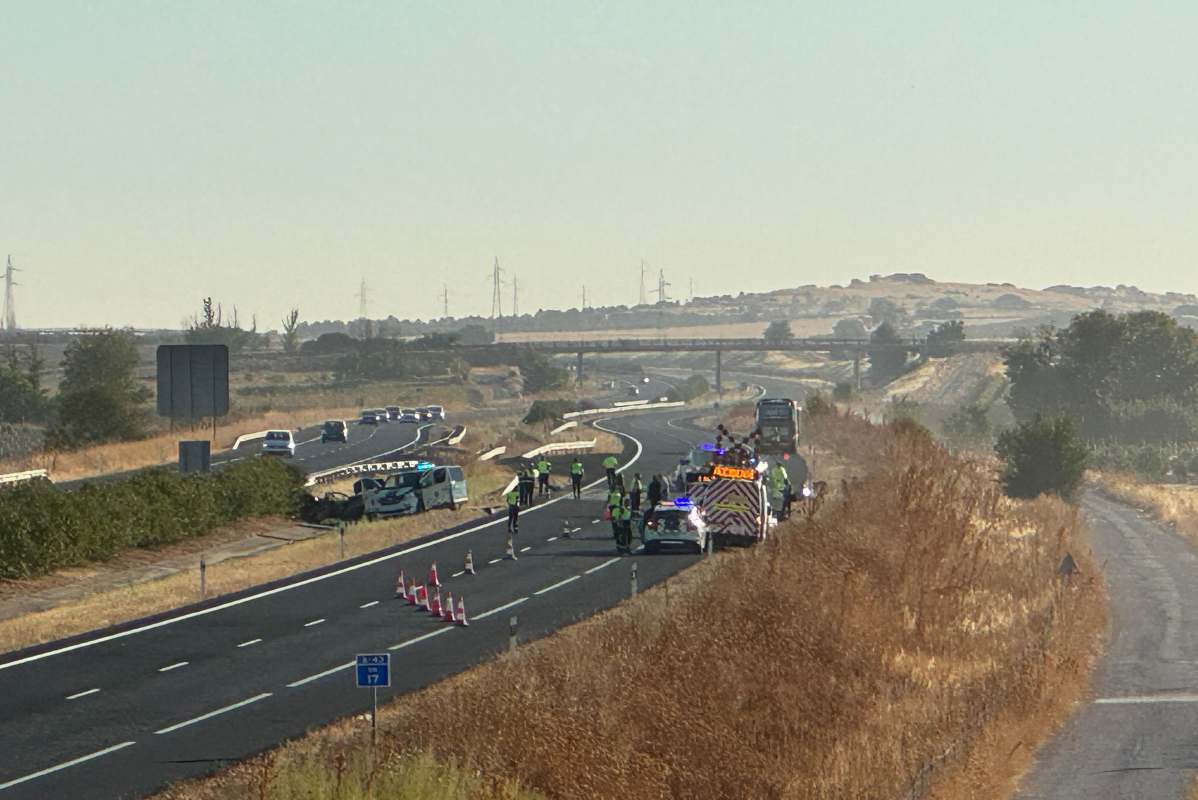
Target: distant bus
[{"x": 778, "y": 422}]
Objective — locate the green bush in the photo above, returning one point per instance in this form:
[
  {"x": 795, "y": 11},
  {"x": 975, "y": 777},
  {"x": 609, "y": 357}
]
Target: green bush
[
  {"x": 692, "y": 388},
  {"x": 1042, "y": 456},
  {"x": 43, "y": 528},
  {"x": 818, "y": 404},
  {"x": 548, "y": 411}
]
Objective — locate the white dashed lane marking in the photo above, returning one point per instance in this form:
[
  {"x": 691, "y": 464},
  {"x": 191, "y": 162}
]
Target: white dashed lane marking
[
  {"x": 169, "y": 667},
  {"x": 368, "y": 605},
  {"x": 215, "y": 713},
  {"x": 557, "y": 585},
  {"x": 65, "y": 764},
  {"x": 81, "y": 694},
  {"x": 313, "y": 622},
  {"x": 250, "y": 642}
]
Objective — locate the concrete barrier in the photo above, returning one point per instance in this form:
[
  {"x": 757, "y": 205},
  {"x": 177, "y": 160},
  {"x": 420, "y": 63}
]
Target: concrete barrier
[
  {"x": 622, "y": 403},
  {"x": 456, "y": 438},
  {"x": 492, "y": 453},
  {"x": 21, "y": 477},
  {"x": 565, "y": 426},
  {"x": 247, "y": 437},
  {"x": 559, "y": 447},
  {"x": 593, "y": 411}
]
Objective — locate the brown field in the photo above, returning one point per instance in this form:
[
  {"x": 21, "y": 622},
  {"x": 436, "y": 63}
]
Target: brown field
[
  {"x": 1173, "y": 504},
  {"x": 912, "y": 636}
]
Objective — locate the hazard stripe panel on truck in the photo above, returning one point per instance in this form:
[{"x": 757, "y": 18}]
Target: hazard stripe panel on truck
[{"x": 732, "y": 507}]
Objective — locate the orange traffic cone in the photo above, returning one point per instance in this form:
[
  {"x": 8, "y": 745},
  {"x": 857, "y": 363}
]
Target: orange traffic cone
[
  {"x": 461, "y": 617},
  {"x": 433, "y": 581},
  {"x": 400, "y": 589},
  {"x": 469, "y": 568},
  {"x": 447, "y": 612},
  {"x": 434, "y": 606},
  {"x": 411, "y": 593}
]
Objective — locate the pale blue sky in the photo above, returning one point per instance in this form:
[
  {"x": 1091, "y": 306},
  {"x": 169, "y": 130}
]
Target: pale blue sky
[{"x": 271, "y": 153}]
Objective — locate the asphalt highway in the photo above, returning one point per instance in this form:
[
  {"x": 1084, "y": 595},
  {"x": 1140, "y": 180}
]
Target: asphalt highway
[{"x": 121, "y": 713}]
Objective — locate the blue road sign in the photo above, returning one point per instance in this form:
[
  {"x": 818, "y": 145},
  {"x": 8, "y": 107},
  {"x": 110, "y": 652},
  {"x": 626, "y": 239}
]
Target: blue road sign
[{"x": 374, "y": 670}]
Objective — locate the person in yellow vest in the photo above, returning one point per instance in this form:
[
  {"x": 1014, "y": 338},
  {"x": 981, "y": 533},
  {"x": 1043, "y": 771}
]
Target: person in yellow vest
[
  {"x": 543, "y": 468},
  {"x": 619, "y": 523},
  {"x": 780, "y": 489},
  {"x": 609, "y": 465},
  {"x": 576, "y": 473},
  {"x": 513, "y": 511}
]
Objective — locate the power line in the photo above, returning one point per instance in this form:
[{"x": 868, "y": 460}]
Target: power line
[
  {"x": 10, "y": 302},
  {"x": 662, "y": 285},
  {"x": 515, "y": 296},
  {"x": 496, "y": 298},
  {"x": 362, "y": 300},
  {"x": 643, "y": 298},
  {"x": 445, "y": 300}
]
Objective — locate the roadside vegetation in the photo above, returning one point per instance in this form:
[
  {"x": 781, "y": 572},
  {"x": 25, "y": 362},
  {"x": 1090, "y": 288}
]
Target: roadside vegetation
[{"x": 912, "y": 637}]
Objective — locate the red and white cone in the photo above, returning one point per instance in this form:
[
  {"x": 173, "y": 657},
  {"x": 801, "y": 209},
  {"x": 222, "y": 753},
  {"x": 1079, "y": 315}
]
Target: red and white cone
[
  {"x": 411, "y": 593},
  {"x": 400, "y": 587},
  {"x": 434, "y": 582},
  {"x": 469, "y": 568},
  {"x": 447, "y": 613},
  {"x": 422, "y": 598},
  {"x": 434, "y": 605},
  {"x": 461, "y": 615}
]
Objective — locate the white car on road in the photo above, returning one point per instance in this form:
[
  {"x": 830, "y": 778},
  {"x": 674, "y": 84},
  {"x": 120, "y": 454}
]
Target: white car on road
[{"x": 278, "y": 443}]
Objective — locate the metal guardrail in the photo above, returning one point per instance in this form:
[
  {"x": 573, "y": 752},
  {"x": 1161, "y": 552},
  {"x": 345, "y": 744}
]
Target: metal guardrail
[
  {"x": 810, "y": 343},
  {"x": 28, "y": 475},
  {"x": 246, "y": 437},
  {"x": 328, "y": 475}
]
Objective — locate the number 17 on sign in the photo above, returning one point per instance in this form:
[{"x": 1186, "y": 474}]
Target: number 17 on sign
[{"x": 374, "y": 670}]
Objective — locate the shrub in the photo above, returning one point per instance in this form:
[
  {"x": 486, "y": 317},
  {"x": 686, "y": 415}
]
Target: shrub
[
  {"x": 843, "y": 392},
  {"x": 43, "y": 528},
  {"x": 818, "y": 404},
  {"x": 693, "y": 387},
  {"x": 1042, "y": 456},
  {"x": 549, "y": 410}
]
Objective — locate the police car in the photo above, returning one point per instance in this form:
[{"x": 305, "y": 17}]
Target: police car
[{"x": 675, "y": 524}]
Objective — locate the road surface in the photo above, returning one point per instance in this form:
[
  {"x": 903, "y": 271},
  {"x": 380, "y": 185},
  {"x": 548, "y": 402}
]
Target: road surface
[
  {"x": 121, "y": 714},
  {"x": 1137, "y": 736}
]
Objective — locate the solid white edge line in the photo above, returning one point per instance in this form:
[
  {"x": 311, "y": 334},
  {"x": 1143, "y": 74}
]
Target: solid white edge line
[
  {"x": 1145, "y": 699},
  {"x": 504, "y": 607},
  {"x": 169, "y": 667},
  {"x": 607, "y": 563},
  {"x": 320, "y": 675},
  {"x": 317, "y": 578},
  {"x": 368, "y": 605},
  {"x": 313, "y": 622},
  {"x": 77, "y": 695},
  {"x": 215, "y": 713},
  {"x": 65, "y": 764},
  {"x": 557, "y": 585},
  {"x": 250, "y": 642},
  {"x": 410, "y": 642}
]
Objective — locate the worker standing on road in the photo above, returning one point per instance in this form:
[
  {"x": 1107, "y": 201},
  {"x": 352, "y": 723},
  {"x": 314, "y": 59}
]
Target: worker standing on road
[
  {"x": 780, "y": 488},
  {"x": 543, "y": 468},
  {"x": 626, "y": 526},
  {"x": 576, "y": 473},
  {"x": 609, "y": 464},
  {"x": 528, "y": 480},
  {"x": 513, "y": 511},
  {"x": 634, "y": 494},
  {"x": 620, "y": 527}
]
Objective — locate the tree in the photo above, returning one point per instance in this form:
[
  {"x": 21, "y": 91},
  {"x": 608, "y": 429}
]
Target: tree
[
  {"x": 99, "y": 397},
  {"x": 969, "y": 424},
  {"x": 942, "y": 338},
  {"x": 291, "y": 331},
  {"x": 885, "y": 311},
  {"x": 540, "y": 374},
  {"x": 851, "y": 328},
  {"x": 778, "y": 331},
  {"x": 1042, "y": 455},
  {"x": 886, "y": 362},
  {"x": 208, "y": 328}
]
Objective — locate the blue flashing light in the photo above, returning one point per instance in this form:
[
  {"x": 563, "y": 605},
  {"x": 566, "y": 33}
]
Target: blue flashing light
[
  {"x": 708, "y": 446},
  {"x": 423, "y": 465},
  {"x": 683, "y": 502}
]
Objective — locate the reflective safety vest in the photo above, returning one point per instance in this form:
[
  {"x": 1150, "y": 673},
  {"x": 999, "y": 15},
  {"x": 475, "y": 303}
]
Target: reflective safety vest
[
  {"x": 636, "y": 485},
  {"x": 513, "y": 498},
  {"x": 576, "y": 468},
  {"x": 779, "y": 478},
  {"x": 610, "y": 462},
  {"x": 619, "y": 513},
  {"x": 615, "y": 499},
  {"x": 543, "y": 467}
]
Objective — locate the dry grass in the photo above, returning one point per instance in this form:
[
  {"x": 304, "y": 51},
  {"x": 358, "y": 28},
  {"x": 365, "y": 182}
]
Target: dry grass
[
  {"x": 1175, "y": 505},
  {"x": 919, "y": 615}
]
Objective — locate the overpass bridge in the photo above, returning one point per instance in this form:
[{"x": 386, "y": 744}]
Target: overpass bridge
[{"x": 853, "y": 348}]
